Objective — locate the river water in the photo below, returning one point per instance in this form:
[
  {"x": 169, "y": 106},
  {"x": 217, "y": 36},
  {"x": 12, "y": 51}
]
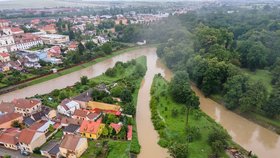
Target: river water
[{"x": 263, "y": 142}]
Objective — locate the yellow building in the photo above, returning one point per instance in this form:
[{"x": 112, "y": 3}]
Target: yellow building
[
  {"x": 103, "y": 106},
  {"x": 91, "y": 129}
]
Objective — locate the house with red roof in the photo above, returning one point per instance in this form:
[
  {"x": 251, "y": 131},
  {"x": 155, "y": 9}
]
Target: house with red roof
[
  {"x": 91, "y": 129},
  {"x": 9, "y": 138},
  {"x": 4, "y": 23},
  {"x": 26, "y": 107},
  {"x": 16, "y": 30},
  {"x": 7, "y": 119},
  {"x": 129, "y": 132},
  {"x": 30, "y": 139},
  {"x": 6, "y": 107},
  {"x": 73, "y": 46},
  {"x": 80, "y": 114},
  {"x": 54, "y": 51},
  {"x": 5, "y": 57},
  {"x": 116, "y": 126},
  {"x": 48, "y": 29},
  {"x": 35, "y": 21},
  {"x": 73, "y": 146}
]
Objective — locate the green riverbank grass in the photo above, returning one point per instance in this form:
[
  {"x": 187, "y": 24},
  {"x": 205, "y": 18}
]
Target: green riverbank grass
[{"x": 175, "y": 126}]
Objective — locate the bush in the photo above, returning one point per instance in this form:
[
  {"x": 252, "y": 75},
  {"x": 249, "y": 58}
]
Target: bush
[
  {"x": 163, "y": 143},
  {"x": 111, "y": 72}
]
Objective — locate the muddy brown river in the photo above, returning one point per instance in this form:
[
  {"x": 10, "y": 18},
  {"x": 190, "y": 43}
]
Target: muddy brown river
[{"x": 263, "y": 142}]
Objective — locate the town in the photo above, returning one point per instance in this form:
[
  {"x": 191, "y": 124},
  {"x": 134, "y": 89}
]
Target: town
[{"x": 146, "y": 79}]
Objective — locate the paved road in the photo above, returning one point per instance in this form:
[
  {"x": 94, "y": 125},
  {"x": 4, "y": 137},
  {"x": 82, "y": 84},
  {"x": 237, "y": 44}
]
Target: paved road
[{"x": 14, "y": 154}]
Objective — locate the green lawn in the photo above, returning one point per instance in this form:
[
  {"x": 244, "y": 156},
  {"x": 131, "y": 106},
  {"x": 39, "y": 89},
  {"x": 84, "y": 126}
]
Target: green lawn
[
  {"x": 176, "y": 125},
  {"x": 260, "y": 75},
  {"x": 118, "y": 149}
]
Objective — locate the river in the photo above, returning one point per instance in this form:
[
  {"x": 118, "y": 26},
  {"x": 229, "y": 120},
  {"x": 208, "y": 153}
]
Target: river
[{"x": 263, "y": 142}]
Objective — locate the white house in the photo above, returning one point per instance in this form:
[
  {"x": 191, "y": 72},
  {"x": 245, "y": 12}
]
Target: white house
[{"x": 67, "y": 107}]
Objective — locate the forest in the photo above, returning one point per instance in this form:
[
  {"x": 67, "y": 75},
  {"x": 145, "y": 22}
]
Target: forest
[
  {"x": 222, "y": 54},
  {"x": 233, "y": 57}
]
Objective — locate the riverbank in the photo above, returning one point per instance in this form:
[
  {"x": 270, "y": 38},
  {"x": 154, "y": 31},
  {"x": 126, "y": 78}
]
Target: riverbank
[
  {"x": 173, "y": 121},
  {"x": 271, "y": 124},
  {"x": 121, "y": 76},
  {"x": 68, "y": 70}
]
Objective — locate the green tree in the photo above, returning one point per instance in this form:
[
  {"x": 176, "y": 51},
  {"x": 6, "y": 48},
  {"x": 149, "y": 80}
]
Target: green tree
[
  {"x": 81, "y": 48},
  {"x": 218, "y": 140},
  {"x": 107, "y": 48},
  {"x": 178, "y": 150},
  {"x": 234, "y": 88},
  {"x": 272, "y": 106},
  {"x": 126, "y": 96},
  {"x": 84, "y": 80}
]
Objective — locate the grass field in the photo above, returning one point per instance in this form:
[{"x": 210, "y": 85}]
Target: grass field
[
  {"x": 260, "y": 75},
  {"x": 176, "y": 125}
]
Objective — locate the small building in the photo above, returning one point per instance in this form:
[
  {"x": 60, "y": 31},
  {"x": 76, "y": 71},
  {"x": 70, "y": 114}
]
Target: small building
[
  {"x": 54, "y": 38},
  {"x": 71, "y": 129},
  {"x": 116, "y": 126},
  {"x": 5, "y": 57},
  {"x": 7, "y": 119},
  {"x": 26, "y": 107},
  {"x": 129, "y": 132},
  {"x": 67, "y": 107},
  {"x": 30, "y": 139},
  {"x": 50, "y": 149},
  {"x": 91, "y": 129},
  {"x": 73, "y": 146},
  {"x": 84, "y": 98},
  {"x": 103, "y": 106},
  {"x": 80, "y": 114},
  {"x": 9, "y": 138},
  {"x": 42, "y": 126},
  {"x": 6, "y": 107}
]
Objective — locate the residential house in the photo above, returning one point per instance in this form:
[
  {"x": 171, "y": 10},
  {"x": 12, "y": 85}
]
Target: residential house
[
  {"x": 129, "y": 132},
  {"x": 5, "y": 57},
  {"x": 116, "y": 126},
  {"x": 103, "y": 106},
  {"x": 73, "y": 146},
  {"x": 50, "y": 149},
  {"x": 84, "y": 98},
  {"x": 35, "y": 21},
  {"x": 91, "y": 129},
  {"x": 4, "y": 23},
  {"x": 73, "y": 46},
  {"x": 54, "y": 38},
  {"x": 30, "y": 139},
  {"x": 9, "y": 138},
  {"x": 67, "y": 107},
  {"x": 66, "y": 121},
  {"x": 80, "y": 114},
  {"x": 26, "y": 107},
  {"x": 42, "y": 126},
  {"x": 26, "y": 41},
  {"x": 28, "y": 121},
  {"x": 31, "y": 60},
  {"x": 93, "y": 116},
  {"x": 7, "y": 42},
  {"x": 16, "y": 30},
  {"x": 71, "y": 129},
  {"x": 4, "y": 67},
  {"x": 7, "y": 119},
  {"x": 48, "y": 29},
  {"x": 6, "y": 107},
  {"x": 54, "y": 51}
]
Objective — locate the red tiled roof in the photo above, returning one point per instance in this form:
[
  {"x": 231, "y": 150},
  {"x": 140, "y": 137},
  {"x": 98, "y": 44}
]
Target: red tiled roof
[
  {"x": 4, "y": 54},
  {"x": 16, "y": 29},
  {"x": 92, "y": 115},
  {"x": 26, "y": 136},
  {"x": 9, "y": 117},
  {"x": 80, "y": 113},
  {"x": 10, "y": 136},
  {"x": 129, "y": 132},
  {"x": 116, "y": 126},
  {"x": 37, "y": 125},
  {"x": 117, "y": 113},
  {"x": 90, "y": 126},
  {"x": 26, "y": 103},
  {"x": 70, "y": 142},
  {"x": 7, "y": 107}
]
